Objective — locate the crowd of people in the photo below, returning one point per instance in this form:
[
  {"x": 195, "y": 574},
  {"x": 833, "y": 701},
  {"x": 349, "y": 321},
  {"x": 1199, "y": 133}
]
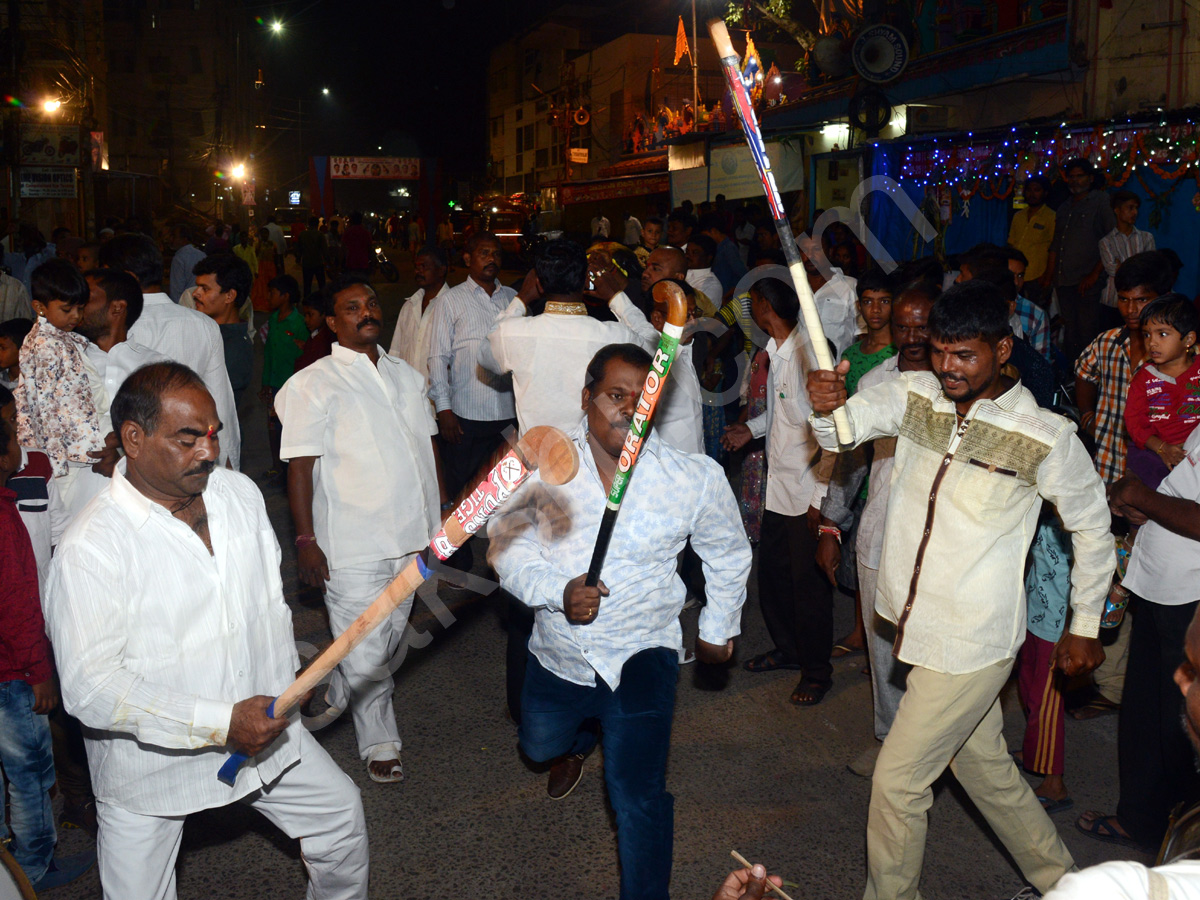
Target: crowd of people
[{"x": 1015, "y": 477}]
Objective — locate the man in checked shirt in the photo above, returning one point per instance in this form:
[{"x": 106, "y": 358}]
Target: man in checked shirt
[{"x": 975, "y": 457}]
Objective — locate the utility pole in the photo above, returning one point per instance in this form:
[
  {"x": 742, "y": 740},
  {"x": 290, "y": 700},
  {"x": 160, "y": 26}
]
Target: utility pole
[{"x": 695, "y": 72}]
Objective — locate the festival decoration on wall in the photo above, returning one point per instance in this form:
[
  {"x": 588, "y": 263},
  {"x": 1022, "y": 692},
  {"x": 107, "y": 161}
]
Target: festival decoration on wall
[{"x": 991, "y": 168}]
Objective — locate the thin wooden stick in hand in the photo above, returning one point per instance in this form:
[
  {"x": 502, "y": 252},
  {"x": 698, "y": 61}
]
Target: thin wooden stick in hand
[{"x": 745, "y": 862}]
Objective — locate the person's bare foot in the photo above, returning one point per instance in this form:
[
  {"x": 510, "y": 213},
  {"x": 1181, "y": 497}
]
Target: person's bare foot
[{"x": 1053, "y": 789}]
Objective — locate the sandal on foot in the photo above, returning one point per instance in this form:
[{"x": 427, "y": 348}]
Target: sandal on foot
[
  {"x": 816, "y": 693},
  {"x": 768, "y": 662},
  {"x": 1055, "y": 806},
  {"x": 840, "y": 650},
  {"x": 1095, "y": 708},
  {"x": 383, "y": 753},
  {"x": 1104, "y": 828}
]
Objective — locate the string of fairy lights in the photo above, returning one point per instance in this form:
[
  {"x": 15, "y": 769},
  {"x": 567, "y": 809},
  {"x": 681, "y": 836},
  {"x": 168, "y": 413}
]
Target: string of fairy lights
[{"x": 991, "y": 166}]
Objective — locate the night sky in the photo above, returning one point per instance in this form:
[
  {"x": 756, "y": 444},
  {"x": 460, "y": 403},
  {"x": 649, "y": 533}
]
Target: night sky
[{"x": 409, "y": 76}]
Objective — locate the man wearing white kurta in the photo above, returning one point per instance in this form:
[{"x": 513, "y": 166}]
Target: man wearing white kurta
[
  {"x": 363, "y": 489},
  {"x": 186, "y": 336},
  {"x": 166, "y": 611},
  {"x": 410, "y": 340}
]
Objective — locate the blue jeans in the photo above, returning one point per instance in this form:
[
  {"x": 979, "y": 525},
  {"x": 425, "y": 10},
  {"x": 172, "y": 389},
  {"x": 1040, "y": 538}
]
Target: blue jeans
[
  {"x": 28, "y": 762},
  {"x": 635, "y": 722}
]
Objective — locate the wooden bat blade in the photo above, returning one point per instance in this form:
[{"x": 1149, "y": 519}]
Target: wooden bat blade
[
  {"x": 720, "y": 38},
  {"x": 401, "y": 588},
  {"x": 551, "y": 452},
  {"x": 672, "y": 294}
]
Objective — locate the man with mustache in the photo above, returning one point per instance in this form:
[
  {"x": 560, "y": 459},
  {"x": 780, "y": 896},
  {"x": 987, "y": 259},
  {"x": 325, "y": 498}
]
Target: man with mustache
[
  {"x": 364, "y": 491},
  {"x": 611, "y": 652},
  {"x": 1074, "y": 265},
  {"x": 975, "y": 456},
  {"x": 167, "y": 617},
  {"x": 474, "y": 406}
]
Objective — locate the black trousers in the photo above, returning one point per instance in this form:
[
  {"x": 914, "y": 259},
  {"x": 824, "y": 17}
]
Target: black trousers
[
  {"x": 308, "y": 273},
  {"x": 1081, "y": 317},
  {"x": 795, "y": 595},
  {"x": 464, "y": 464},
  {"x": 1156, "y": 761}
]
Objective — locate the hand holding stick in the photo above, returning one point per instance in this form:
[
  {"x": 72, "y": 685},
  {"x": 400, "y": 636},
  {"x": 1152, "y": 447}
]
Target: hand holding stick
[
  {"x": 543, "y": 448},
  {"x": 808, "y": 306}
]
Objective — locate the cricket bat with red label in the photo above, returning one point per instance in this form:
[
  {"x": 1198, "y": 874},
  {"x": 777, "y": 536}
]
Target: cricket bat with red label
[{"x": 543, "y": 449}]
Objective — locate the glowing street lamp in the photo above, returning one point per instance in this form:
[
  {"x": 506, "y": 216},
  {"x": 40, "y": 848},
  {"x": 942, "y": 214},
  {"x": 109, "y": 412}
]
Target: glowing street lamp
[
  {"x": 277, "y": 26},
  {"x": 239, "y": 171},
  {"x": 52, "y": 106},
  {"x": 325, "y": 91}
]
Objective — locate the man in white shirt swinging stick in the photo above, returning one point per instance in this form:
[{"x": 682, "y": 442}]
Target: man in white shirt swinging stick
[{"x": 166, "y": 612}]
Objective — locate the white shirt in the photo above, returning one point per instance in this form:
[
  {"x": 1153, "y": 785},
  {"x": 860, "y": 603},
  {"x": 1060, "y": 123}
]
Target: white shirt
[
  {"x": 1121, "y": 879},
  {"x": 192, "y": 338},
  {"x": 156, "y": 639},
  {"x": 679, "y": 419},
  {"x": 633, "y": 232},
  {"x": 868, "y": 542},
  {"x": 544, "y": 536},
  {"x": 14, "y": 299},
  {"x": 1115, "y": 248},
  {"x": 375, "y": 493},
  {"x": 462, "y": 318},
  {"x": 705, "y": 281},
  {"x": 837, "y": 305},
  {"x": 794, "y": 482},
  {"x": 600, "y": 226},
  {"x": 118, "y": 364},
  {"x": 1164, "y": 567},
  {"x": 410, "y": 340},
  {"x": 548, "y": 357}
]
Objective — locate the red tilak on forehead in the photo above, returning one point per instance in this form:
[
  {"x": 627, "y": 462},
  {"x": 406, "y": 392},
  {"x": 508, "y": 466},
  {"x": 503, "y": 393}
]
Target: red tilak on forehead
[{"x": 211, "y": 433}]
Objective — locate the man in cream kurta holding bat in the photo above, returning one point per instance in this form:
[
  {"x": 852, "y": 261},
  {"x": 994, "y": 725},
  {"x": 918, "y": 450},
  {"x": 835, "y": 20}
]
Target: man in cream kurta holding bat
[
  {"x": 166, "y": 613},
  {"x": 975, "y": 456},
  {"x": 363, "y": 489}
]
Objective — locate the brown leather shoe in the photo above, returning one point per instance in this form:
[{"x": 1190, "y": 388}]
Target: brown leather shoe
[{"x": 565, "y": 773}]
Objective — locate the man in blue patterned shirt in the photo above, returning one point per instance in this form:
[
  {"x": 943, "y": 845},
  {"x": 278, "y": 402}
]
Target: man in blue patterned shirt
[{"x": 611, "y": 652}]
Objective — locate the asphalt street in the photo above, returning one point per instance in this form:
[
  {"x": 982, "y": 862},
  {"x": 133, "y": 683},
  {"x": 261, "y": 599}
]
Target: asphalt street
[{"x": 748, "y": 770}]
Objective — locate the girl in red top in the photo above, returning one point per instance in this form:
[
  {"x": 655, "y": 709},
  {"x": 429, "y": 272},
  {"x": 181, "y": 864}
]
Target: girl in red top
[{"x": 1164, "y": 398}]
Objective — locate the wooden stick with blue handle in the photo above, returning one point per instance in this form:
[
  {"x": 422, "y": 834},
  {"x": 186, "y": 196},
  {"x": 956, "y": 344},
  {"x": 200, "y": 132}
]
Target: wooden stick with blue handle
[
  {"x": 808, "y": 306},
  {"x": 543, "y": 448}
]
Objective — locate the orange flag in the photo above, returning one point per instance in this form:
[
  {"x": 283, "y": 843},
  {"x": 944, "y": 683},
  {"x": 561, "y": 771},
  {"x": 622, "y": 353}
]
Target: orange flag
[{"x": 681, "y": 44}]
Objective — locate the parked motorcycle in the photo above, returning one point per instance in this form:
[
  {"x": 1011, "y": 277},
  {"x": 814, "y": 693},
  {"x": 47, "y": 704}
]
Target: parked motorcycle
[{"x": 386, "y": 266}]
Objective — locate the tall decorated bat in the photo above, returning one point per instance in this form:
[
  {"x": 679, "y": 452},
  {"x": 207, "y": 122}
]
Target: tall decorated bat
[
  {"x": 660, "y": 367},
  {"x": 808, "y": 306},
  {"x": 542, "y": 448}
]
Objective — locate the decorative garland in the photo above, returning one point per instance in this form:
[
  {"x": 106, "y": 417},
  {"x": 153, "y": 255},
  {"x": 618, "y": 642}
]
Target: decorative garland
[{"x": 991, "y": 169}]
